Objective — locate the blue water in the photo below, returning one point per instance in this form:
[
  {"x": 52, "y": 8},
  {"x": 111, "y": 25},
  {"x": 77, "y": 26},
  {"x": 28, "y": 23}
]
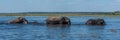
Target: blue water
[{"x": 77, "y": 31}]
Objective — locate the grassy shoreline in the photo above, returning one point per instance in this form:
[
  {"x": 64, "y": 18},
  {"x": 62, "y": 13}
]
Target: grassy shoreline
[{"x": 58, "y": 15}]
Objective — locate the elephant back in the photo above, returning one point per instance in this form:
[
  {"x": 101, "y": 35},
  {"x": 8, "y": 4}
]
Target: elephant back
[{"x": 57, "y": 20}]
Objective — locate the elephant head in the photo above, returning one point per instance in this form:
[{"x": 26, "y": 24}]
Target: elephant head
[
  {"x": 65, "y": 20},
  {"x": 58, "y": 20},
  {"x": 100, "y": 21},
  {"x": 19, "y": 20},
  {"x": 95, "y": 22}
]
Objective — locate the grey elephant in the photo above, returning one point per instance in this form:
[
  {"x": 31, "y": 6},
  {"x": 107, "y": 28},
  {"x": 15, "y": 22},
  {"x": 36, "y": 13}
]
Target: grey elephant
[
  {"x": 19, "y": 20},
  {"x": 58, "y": 20},
  {"x": 96, "y": 22}
]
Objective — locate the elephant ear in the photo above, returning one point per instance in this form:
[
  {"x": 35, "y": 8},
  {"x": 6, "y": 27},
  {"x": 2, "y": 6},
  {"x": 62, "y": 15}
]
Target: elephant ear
[
  {"x": 66, "y": 20},
  {"x": 100, "y": 21}
]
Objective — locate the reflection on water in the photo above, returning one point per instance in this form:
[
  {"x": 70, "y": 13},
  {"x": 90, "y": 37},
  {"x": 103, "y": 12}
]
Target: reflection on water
[
  {"x": 57, "y": 32},
  {"x": 76, "y": 31},
  {"x": 58, "y": 25}
]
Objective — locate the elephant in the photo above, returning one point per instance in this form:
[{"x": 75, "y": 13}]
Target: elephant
[
  {"x": 19, "y": 20},
  {"x": 58, "y": 20},
  {"x": 95, "y": 22}
]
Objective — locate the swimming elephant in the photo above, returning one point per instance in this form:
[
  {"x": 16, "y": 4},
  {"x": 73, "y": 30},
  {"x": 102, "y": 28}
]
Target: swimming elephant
[
  {"x": 19, "y": 20},
  {"x": 95, "y": 22},
  {"x": 58, "y": 20}
]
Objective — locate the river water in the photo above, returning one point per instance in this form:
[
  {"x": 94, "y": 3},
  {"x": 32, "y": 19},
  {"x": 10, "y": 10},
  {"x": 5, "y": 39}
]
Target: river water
[{"x": 76, "y": 31}]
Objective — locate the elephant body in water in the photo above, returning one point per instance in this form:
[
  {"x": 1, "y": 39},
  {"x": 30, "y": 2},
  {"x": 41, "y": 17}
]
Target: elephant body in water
[
  {"x": 58, "y": 20},
  {"x": 95, "y": 22},
  {"x": 19, "y": 20}
]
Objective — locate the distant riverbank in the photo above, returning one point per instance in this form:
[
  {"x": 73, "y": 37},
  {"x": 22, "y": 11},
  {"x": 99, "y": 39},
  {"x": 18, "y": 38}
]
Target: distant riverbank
[{"x": 63, "y": 14}]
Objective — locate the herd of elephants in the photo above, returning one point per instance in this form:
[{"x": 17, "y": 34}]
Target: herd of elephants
[{"x": 58, "y": 20}]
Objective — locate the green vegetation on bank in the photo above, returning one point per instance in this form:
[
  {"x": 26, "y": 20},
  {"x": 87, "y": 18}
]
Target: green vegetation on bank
[{"x": 63, "y": 14}]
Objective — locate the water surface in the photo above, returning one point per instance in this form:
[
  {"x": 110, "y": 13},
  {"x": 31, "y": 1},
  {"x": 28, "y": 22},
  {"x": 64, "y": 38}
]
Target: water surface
[{"x": 77, "y": 31}]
